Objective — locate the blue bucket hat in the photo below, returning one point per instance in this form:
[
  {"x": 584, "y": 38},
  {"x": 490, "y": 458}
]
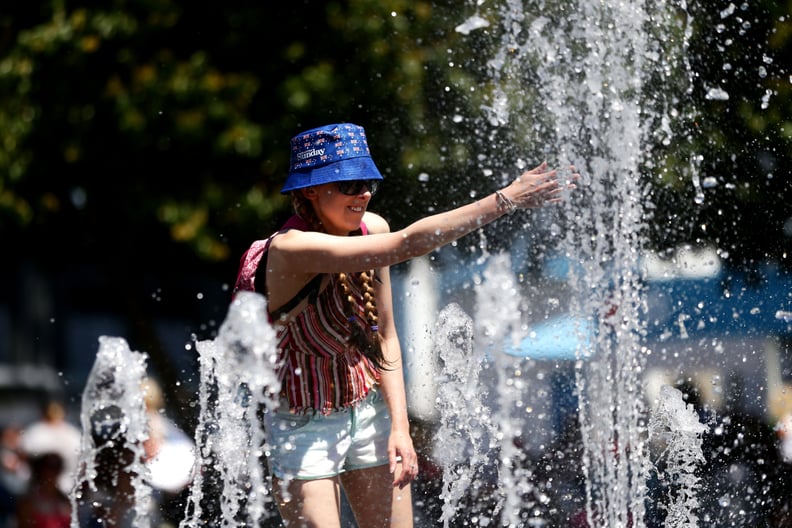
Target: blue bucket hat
[{"x": 327, "y": 154}]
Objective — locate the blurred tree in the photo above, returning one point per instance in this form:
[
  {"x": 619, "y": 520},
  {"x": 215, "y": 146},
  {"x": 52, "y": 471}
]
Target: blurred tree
[
  {"x": 117, "y": 131},
  {"x": 104, "y": 114}
]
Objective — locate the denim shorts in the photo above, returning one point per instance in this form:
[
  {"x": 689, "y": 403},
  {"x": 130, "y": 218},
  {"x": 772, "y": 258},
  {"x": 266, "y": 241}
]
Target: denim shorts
[{"x": 313, "y": 446}]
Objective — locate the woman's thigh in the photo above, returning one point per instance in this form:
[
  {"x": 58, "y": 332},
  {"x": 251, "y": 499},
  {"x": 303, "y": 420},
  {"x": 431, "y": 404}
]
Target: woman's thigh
[
  {"x": 374, "y": 500},
  {"x": 309, "y": 503}
]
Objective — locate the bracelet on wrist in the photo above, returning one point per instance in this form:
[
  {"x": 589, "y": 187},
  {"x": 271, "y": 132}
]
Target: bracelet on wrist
[{"x": 505, "y": 202}]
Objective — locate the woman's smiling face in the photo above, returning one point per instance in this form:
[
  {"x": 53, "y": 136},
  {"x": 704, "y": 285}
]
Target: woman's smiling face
[{"x": 339, "y": 213}]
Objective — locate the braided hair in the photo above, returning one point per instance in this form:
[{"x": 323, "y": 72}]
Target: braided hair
[{"x": 364, "y": 333}]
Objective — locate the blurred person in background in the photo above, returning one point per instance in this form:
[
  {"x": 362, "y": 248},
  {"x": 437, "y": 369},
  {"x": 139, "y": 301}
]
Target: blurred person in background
[
  {"x": 781, "y": 410},
  {"x": 170, "y": 455},
  {"x": 52, "y": 433}
]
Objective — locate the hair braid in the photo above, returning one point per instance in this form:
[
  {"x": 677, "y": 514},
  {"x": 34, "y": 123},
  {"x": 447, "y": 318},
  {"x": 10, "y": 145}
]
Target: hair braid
[
  {"x": 372, "y": 316},
  {"x": 364, "y": 335}
]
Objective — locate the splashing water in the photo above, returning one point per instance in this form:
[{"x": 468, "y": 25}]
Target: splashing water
[
  {"x": 589, "y": 81},
  {"x": 603, "y": 53},
  {"x": 237, "y": 369},
  {"x": 466, "y": 429},
  {"x": 676, "y": 425},
  {"x": 115, "y": 426},
  {"x": 497, "y": 315},
  {"x": 498, "y": 302}
]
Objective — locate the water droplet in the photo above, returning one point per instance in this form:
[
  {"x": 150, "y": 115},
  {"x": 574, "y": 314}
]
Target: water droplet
[{"x": 717, "y": 94}]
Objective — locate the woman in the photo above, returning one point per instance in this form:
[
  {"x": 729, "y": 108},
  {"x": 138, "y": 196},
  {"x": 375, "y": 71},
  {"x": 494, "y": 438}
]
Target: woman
[{"x": 343, "y": 415}]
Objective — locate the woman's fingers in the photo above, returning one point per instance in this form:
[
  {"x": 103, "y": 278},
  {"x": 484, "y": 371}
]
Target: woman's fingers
[
  {"x": 404, "y": 469},
  {"x": 539, "y": 168},
  {"x": 407, "y": 475},
  {"x": 539, "y": 186}
]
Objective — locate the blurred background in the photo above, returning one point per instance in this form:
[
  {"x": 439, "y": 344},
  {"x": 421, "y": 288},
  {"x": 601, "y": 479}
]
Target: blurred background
[{"x": 143, "y": 144}]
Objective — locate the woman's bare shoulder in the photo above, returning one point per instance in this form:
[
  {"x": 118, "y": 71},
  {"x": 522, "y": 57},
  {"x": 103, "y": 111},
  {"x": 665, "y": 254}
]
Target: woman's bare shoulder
[{"x": 375, "y": 223}]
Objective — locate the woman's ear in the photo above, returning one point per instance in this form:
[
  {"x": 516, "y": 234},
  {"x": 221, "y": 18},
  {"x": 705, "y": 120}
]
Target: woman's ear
[{"x": 308, "y": 192}]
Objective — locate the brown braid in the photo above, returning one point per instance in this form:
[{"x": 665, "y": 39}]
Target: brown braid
[
  {"x": 364, "y": 335},
  {"x": 366, "y": 281}
]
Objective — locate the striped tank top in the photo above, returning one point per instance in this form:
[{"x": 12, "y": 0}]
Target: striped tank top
[{"x": 319, "y": 370}]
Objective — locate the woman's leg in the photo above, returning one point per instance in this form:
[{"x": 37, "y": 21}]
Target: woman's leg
[
  {"x": 374, "y": 500},
  {"x": 309, "y": 503}
]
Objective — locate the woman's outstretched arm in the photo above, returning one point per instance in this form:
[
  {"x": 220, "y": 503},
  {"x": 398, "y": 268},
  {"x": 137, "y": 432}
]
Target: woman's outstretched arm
[{"x": 314, "y": 252}]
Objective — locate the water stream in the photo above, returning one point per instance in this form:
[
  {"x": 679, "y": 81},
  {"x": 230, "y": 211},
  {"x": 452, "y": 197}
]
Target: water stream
[
  {"x": 112, "y": 481},
  {"x": 237, "y": 374},
  {"x": 590, "y": 82}
]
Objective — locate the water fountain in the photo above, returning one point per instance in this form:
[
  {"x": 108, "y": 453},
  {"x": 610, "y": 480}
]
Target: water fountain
[
  {"x": 114, "y": 486},
  {"x": 594, "y": 84},
  {"x": 237, "y": 368},
  {"x": 587, "y": 65},
  {"x": 677, "y": 427},
  {"x": 111, "y": 484},
  {"x": 532, "y": 434}
]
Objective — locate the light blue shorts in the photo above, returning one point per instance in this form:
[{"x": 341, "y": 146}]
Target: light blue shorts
[{"x": 313, "y": 446}]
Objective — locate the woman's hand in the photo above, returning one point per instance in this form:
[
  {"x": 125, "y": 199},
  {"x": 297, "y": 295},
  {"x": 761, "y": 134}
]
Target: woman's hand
[
  {"x": 538, "y": 187},
  {"x": 403, "y": 459}
]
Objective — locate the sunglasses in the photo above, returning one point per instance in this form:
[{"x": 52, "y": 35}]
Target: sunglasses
[{"x": 354, "y": 187}]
